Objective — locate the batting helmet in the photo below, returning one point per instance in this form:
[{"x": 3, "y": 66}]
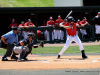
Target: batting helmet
[{"x": 70, "y": 19}]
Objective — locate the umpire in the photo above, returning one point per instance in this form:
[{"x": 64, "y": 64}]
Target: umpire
[{"x": 11, "y": 39}]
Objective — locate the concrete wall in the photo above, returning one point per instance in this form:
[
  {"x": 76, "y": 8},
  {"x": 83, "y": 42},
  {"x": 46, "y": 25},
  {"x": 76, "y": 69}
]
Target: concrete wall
[{"x": 68, "y": 3}]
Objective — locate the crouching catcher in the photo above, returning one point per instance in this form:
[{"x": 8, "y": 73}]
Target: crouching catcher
[{"x": 24, "y": 47}]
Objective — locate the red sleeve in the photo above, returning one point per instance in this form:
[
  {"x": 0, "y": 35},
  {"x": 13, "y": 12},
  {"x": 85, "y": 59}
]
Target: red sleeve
[
  {"x": 10, "y": 25},
  {"x": 47, "y": 22},
  {"x": 26, "y": 24},
  {"x": 53, "y": 22},
  {"x": 31, "y": 24},
  {"x": 56, "y": 22},
  {"x": 61, "y": 20},
  {"x": 66, "y": 24},
  {"x": 81, "y": 22},
  {"x": 16, "y": 24},
  {"x": 76, "y": 23},
  {"x": 19, "y": 25},
  {"x": 38, "y": 32}
]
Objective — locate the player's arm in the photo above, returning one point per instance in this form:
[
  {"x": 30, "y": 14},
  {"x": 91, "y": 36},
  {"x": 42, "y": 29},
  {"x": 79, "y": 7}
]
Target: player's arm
[
  {"x": 87, "y": 23},
  {"x": 3, "y": 39},
  {"x": 40, "y": 45},
  {"x": 32, "y": 25},
  {"x": 66, "y": 27}
]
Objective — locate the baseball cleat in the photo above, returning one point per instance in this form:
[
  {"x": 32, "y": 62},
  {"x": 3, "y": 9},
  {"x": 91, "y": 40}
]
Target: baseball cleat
[
  {"x": 58, "y": 56},
  {"x": 19, "y": 60},
  {"x": 84, "y": 57},
  {"x": 4, "y": 59},
  {"x": 25, "y": 59},
  {"x": 14, "y": 57}
]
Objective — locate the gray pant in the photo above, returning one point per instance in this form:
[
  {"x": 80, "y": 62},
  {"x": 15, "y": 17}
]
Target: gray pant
[{"x": 9, "y": 50}]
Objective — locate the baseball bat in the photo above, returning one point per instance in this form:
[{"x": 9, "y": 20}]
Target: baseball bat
[
  {"x": 69, "y": 14},
  {"x": 66, "y": 17}
]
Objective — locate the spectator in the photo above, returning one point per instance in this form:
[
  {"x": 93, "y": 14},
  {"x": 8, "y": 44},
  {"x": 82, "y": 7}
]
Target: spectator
[
  {"x": 13, "y": 24},
  {"x": 50, "y": 23},
  {"x": 29, "y": 24},
  {"x": 96, "y": 22},
  {"x": 83, "y": 31},
  {"x": 62, "y": 30},
  {"x": 56, "y": 32}
]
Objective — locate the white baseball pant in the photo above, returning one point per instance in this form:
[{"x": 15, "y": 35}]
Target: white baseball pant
[
  {"x": 57, "y": 34},
  {"x": 97, "y": 29},
  {"x": 18, "y": 49},
  {"x": 48, "y": 39},
  {"x": 83, "y": 32},
  {"x": 62, "y": 35},
  {"x": 68, "y": 42},
  {"x": 25, "y": 34},
  {"x": 77, "y": 32}
]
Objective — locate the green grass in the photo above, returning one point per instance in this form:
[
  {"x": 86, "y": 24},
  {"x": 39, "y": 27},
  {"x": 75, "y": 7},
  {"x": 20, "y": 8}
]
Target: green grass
[
  {"x": 71, "y": 49},
  {"x": 26, "y": 3}
]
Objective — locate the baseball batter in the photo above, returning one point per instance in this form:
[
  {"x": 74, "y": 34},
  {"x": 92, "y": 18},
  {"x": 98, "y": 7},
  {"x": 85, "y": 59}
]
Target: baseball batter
[{"x": 70, "y": 26}]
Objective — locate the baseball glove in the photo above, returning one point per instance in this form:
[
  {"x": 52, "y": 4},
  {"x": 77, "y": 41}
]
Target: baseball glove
[{"x": 41, "y": 44}]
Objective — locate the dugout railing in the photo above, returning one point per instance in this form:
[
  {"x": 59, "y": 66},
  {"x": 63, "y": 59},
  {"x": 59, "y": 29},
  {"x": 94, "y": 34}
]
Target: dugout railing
[{"x": 90, "y": 27}]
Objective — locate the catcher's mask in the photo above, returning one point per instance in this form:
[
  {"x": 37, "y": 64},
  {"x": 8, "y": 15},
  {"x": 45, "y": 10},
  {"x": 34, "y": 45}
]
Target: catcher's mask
[
  {"x": 70, "y": 19},
  {"x": 31, "y": 34}
]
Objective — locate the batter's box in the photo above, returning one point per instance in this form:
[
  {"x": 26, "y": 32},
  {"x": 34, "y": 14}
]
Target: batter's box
[{"x": 72, "y": 60}]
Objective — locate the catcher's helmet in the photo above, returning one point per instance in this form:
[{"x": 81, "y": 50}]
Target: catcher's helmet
[
  {"x": 70, "y": 19},
  {"x": 31, "y": 34}
]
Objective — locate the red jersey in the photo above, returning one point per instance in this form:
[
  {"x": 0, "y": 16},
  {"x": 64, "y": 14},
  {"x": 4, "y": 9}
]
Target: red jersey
[
  {"x": 57, "y": 22},
  {"x": 50, "y": 23},
  {"x": 38, "y": 32},
  {"x": 79, "y": 24},
  {"x": 26, "y": 24},
  {"x": 13, "y": 24},
  {"x": 20, "y": 25},
  {"x": 63, "y": 24},
  {"x": 71, "y": 31},
  {"x": 83, "y": 22}
]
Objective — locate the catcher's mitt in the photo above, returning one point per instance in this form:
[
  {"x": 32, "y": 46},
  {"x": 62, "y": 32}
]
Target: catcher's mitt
[{"x": 41, "y": 44}]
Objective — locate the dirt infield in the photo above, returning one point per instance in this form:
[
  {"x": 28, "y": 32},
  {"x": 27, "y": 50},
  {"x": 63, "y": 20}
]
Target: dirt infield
[{"x": 50, "y": 62}]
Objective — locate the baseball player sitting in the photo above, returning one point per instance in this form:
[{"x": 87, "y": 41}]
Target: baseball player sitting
[
  {"x": 24, "y": 47},
  {"x": 70, "y": 26}
]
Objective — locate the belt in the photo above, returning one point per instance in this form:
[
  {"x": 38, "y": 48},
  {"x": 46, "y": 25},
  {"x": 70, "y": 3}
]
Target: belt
[{"x": 72, "y": 35}]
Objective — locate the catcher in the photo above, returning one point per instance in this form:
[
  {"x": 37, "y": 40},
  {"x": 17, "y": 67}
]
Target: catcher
[{"x": 24, "y": 47}]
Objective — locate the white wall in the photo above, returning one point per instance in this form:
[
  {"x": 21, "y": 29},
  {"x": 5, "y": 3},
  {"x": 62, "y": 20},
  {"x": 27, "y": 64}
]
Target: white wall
[{"x": 68, "y": 3}]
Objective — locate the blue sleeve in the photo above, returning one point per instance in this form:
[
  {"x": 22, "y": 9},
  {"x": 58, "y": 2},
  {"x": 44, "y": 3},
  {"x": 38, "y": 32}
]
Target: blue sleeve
[{"x": 7, "y": 35}]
